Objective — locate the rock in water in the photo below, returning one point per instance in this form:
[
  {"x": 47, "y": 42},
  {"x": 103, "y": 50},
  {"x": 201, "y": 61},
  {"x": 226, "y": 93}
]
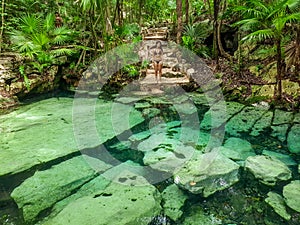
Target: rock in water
[
  {"x": 207, "y": 173},
  {"x": 174, "y": 199},
  {"x": 293, "y": 139},
  {"x": 291, "y": 193},
  {"x": 277, "y": 203},
  {"x": 45, "y": 188},
  {"x": 116, "y": 205},
  {"x": 197, "y": 216},
  {"x": 268, "y": 170},
  {"x": 237, "y": 149}
]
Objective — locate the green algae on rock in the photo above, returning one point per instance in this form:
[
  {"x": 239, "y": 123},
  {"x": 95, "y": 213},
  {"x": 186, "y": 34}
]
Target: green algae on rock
[
  {"x": 173, "y": 199},
  {"x": 43, "y": 131},
  {"x": 45, "y": 188},
  {"x": 115, "y": 205},
  {"x": 207, "y": 173},
  {"x": 291, "y": 194},
  {"x": 268, "y": 170},
  {"x": 240, "y": 149},
  {"x": 293, "y": 139},
  {"x": 276, "y": 201},
  {"x": 198, "y": 216},
  {"x": 244, "y": 121}
]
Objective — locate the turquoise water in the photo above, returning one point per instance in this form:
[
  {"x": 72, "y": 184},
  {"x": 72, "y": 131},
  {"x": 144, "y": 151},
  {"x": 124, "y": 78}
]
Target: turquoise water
[{"x": 242, "y": 202}]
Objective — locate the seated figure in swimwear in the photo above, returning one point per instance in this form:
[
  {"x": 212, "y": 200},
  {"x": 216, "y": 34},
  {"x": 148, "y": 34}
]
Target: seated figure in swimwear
[{"x": 157, "y": 57}]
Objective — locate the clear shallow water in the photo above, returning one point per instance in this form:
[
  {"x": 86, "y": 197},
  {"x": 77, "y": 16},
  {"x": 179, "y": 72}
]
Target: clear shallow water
[{"x": 242, "y": 203}]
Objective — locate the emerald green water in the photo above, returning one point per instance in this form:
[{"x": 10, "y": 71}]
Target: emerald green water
[{"x": 240, "y": 203}]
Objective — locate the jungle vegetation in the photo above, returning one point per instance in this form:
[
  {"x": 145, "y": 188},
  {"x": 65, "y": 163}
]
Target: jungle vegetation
[{"x": 230, "y": 35}]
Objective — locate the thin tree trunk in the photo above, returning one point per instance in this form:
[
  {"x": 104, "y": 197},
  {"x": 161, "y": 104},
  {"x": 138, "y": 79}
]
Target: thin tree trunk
[
  {"x": 220, "y": 46},
  {"x": 278, "y": 92},
  {"x": 187, "y": 8},
  {"x": 140, "y": 12},
  {"x": 179, "y": 20},
  {"x": 215, "y": 32},
  {"x": 297, "y": 66},
  {"x": 2, "y": 24}
]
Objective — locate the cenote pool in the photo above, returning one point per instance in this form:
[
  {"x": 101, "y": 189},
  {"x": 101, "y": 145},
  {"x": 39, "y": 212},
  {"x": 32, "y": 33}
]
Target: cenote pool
[{"x": 172, "y": 159}]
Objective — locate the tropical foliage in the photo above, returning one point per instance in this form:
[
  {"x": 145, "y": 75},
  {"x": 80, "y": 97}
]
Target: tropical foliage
[{"x": 40, "y": 41}]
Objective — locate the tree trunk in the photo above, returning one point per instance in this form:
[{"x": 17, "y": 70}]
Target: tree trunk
[
  {"x": 2, "y": 24},
  {"x": 179, "y": 20},
  {"x": 297, "y": 66},
  {"x": 220, "y": 46},
  {"x": 187, "y": 8},
  {"x": 215, "y": 32},
  {"x": 278, "y": 90},
  {"x": 140, "y": 12}
]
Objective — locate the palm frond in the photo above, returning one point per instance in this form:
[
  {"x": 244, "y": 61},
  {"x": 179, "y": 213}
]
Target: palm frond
[
  {"x": 61, "y": 35},
  {"x": 42, "y": 40},
  {"x": 259, "y": 35},
  {"x": 63, "y": 51},
  {"x": 49, "y": 22},
  {"x": 248, "y": 24},
  {"x": 292, "y": 53},
  {"x": 30, "y": 24}
]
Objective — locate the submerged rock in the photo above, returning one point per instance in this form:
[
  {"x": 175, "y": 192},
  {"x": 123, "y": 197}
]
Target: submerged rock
[
  {"x": 268, "y": 170},
  {"x": 115, "y": 205},
  {"x": 277, "y": 203},
  {"x": 168, "y": 156},
  {"x": 174, "y": 199},
  {"x": 293, "y": 139},
  {"x": 281, "y": 117},
  {"x": 297, "y": 118},
  {"x": 207, "y": 173},
  {"x": 286, "y": 159},
  {"x": 291, "y": 194},
  {"x": 244, "y": 121},
  {"x": 219, "y": 113},
  {"x": 43, "y": 131},
  {"x": 237, "y": 149},
  {"x": 263, "y": 123},
  {"x": 45, "y": 188},
  {"x": 198, "y": 216},
  {"x": 280, "y": 132}
]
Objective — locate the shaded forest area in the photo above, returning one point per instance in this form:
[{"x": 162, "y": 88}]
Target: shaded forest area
[{"x": 252, "y": 45}]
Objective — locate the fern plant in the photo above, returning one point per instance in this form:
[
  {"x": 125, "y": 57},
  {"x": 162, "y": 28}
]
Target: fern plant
[{"x": 40, "y": 41}]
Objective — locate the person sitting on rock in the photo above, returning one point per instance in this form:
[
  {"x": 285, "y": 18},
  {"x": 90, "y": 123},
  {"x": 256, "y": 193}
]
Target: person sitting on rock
[{"x": 157, "y": 57}]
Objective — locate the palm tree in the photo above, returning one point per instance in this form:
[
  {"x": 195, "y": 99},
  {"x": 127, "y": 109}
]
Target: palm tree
[
  {"x": 268, "y": 20},
  {"x": 39, "y": 40}
]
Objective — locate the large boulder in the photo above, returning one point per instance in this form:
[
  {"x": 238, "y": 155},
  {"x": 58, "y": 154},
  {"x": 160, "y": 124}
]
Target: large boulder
[
  {"x": 268, "y": 170},
  {"x": 207, "y": 173},
  {"x": 45, "y": 188},
  {"x": 276, "y": 201},
  {"x": 115, "y": 205},
  {"x": 293, "y": 139},
  {"x": 173, "y": 199},
  {"x": 291, "y": 194}
]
